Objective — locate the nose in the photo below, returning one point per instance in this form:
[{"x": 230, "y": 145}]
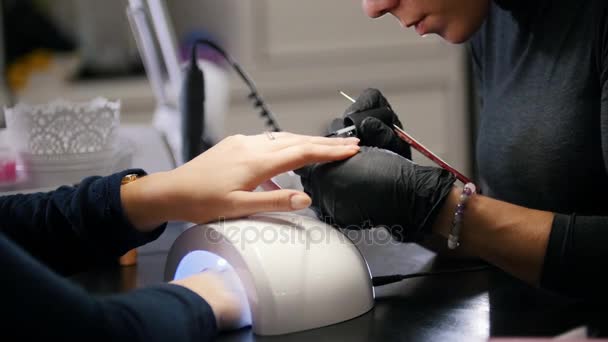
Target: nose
[{"x": 378, "y": 8}]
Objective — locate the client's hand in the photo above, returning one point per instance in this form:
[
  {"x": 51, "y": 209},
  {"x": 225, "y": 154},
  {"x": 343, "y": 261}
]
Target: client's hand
[
  {"x": 374, "y": 118},
  {"x": 378, "y": 188},
  {"x": 220, "y": 182},
  {"x": 219, "y": 288}
]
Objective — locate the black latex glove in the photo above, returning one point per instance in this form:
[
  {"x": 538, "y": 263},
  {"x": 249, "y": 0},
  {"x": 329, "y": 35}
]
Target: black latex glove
[
  {"x": 373, "y": 118},
  {"x": 375, "y": 188}
]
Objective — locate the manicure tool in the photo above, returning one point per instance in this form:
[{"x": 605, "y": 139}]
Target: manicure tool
[{"x": 412, "y": 142}]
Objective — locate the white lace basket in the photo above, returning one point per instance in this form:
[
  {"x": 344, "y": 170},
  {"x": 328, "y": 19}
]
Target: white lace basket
[{"x": 62, "y": 128}]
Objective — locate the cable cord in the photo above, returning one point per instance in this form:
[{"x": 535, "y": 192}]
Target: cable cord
[
  {"x": 254, "y": 95},
  {"x": 395, "y": 278}
]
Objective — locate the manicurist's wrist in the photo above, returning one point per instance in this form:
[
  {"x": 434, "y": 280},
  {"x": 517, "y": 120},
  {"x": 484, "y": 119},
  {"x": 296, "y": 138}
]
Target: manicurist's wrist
[{"x": 443, "y": 222}]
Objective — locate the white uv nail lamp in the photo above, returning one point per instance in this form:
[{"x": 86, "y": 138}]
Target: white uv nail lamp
[{"x": 297, "y": 272}]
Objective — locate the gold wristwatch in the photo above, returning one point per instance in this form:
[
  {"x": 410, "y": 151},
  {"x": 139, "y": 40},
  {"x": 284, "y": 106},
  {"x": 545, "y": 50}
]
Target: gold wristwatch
[
  {"x": 129, "y": 178},
  {"x": 129, "y": 258}
]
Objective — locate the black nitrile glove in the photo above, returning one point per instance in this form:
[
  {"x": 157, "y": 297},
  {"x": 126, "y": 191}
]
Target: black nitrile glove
[
  {"x": 377, "y": 187},
  {"x": 373, "y": 118}
]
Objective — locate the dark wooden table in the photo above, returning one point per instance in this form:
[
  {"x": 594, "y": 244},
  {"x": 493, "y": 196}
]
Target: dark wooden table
[{"x": 457, "y": 307}]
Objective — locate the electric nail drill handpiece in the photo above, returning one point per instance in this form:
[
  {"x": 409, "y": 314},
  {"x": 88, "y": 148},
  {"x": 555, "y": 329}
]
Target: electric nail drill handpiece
[{"x": 193, "y": 110}]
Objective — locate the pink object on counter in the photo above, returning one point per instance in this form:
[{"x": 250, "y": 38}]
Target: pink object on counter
[
  {"x": 8, "y": 171},
  {"x": 545, "y": 339}
]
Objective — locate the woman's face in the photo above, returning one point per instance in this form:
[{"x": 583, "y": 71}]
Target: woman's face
[{"x": 454, "y": 20}]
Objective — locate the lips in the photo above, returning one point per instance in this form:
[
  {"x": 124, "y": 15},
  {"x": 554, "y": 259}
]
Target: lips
[
  {"x": 418, "y": 25},
  {"x": 420, "y": 28},
  {"x": 414, "y": 22}
]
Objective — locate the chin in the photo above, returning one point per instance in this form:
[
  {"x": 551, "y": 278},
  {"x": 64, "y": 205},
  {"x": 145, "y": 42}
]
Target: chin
[
  {"x": 458, "y": 36},
  {"x": 454, "y": 39}
]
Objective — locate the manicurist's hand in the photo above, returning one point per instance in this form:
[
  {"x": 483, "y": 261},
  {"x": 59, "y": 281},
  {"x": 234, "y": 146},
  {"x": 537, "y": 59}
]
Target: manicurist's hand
[
  {"x": 373, "y": 118},
  {"x": 378, "y": 187},
  {"x": 220, "y": 182}
]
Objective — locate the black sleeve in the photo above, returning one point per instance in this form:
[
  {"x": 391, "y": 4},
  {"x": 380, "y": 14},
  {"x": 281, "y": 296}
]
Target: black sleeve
[
  {"x": 39, "y": 303},
  {"x": 577, "y": 257},
  {"x": 577, "y": 253},
  {"x": 73, "y": 227}
]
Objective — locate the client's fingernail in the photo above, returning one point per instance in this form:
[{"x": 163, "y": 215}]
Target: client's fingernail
[{"x": 299, "y": 201}]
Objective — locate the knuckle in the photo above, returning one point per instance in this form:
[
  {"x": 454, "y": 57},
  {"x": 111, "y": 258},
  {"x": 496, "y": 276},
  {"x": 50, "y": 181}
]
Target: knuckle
[
  {"x": 309, "y": 150},
  {"x": 235, "y": 139},
  {"x": 239, "y": 137},
  {"x": 277, "y": 202},
  {"x": 283, "y": 134},
  {"x": 230, "y": 203}
]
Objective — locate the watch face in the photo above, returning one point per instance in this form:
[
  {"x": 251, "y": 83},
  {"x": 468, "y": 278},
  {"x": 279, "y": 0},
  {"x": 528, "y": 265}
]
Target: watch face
[{"x": 129, "y": 178}]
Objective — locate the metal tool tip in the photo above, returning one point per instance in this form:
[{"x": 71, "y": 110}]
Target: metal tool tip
[{"x": 348, "y": 97}]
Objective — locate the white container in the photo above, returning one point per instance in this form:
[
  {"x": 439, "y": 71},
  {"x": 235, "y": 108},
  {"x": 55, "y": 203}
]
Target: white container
[
  {"x": 45, "y": 172},
  {"x": 62, "y": 142}
]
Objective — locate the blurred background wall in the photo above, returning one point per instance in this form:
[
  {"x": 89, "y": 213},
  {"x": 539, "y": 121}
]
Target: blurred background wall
[{"x": 300, "y": 53}]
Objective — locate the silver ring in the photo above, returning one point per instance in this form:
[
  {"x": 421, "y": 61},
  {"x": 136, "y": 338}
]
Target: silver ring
[{"x": 269, "y": 135}]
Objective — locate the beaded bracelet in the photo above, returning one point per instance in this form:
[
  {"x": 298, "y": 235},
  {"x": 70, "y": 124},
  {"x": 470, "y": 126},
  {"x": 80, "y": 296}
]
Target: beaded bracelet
[{"x": 469, "y": 189}]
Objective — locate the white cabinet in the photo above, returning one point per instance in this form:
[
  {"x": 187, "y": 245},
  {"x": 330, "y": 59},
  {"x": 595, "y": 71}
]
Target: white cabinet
[{"x": 301, "y": 53}]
